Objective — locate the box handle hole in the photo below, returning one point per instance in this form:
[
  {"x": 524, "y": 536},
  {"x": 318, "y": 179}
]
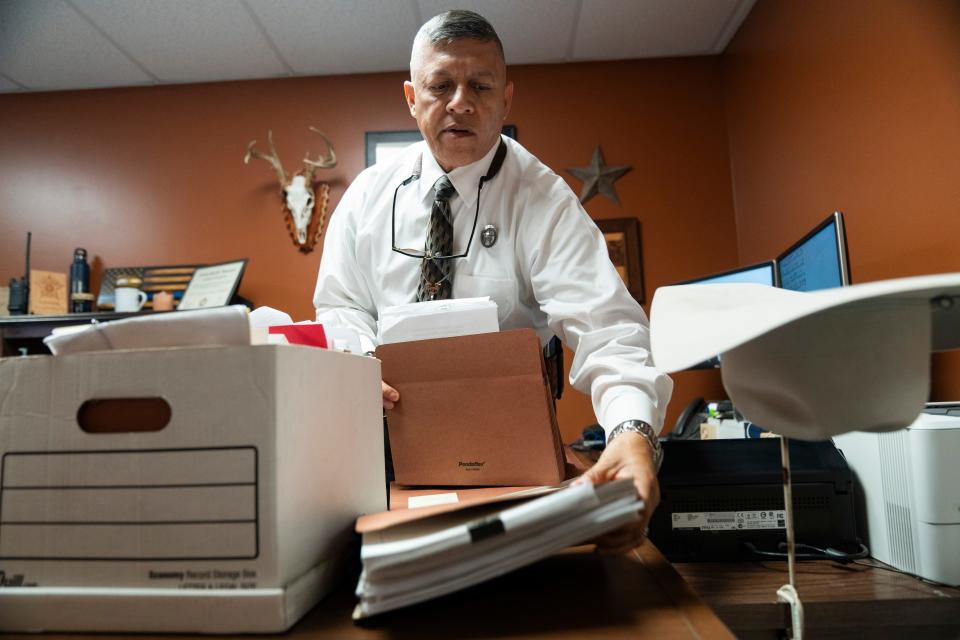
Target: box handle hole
[{"x": 123, "y": 415}]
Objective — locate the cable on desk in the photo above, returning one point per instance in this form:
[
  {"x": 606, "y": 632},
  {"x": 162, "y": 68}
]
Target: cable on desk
[
  {"x": 903, "y": 573},
  {"x": 809, "y": 552},
  {"x": 839, "y": 557}
]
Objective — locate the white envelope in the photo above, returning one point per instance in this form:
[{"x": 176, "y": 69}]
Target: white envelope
[{"x": 437, "y": 319}]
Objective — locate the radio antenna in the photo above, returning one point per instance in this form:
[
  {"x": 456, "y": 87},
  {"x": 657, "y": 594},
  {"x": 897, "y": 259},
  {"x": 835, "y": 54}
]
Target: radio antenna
[{"x": 27, "y": 271}]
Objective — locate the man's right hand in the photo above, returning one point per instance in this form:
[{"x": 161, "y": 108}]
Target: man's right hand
[{"x": 390, "y": 395}]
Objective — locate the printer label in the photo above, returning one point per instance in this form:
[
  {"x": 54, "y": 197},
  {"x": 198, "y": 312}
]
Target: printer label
[{"x": 729, "y": 520}]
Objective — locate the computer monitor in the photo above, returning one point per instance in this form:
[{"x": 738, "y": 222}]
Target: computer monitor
[
  {"x": 760, "y": 273},
  {"x": 818, "y": 260}
]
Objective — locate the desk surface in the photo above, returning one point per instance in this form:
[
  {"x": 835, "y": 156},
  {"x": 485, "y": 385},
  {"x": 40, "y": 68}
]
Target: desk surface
[
  {"x": 840, "y": 601},
  {"x": 576, "y": 594}
]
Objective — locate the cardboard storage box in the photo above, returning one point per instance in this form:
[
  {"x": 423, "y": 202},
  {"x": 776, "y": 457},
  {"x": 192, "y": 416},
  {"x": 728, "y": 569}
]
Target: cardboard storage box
[{"x": 230, "y": 518}]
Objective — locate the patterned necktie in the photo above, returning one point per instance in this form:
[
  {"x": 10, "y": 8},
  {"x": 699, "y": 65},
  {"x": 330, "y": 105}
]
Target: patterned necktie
[{"x": 436, "y": 276}]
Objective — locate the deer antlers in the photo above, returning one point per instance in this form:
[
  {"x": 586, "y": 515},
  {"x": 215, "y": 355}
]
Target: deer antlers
[
  {"x": 273, "y": 158},
  {"x": 321, "y": 162},
  {"x": 309, "y": 166}
]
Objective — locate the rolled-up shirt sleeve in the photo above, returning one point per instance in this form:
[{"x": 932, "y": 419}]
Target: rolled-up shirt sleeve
[
  {"x": 342, "y": 297},
  {"x": 588, "y": 306}
]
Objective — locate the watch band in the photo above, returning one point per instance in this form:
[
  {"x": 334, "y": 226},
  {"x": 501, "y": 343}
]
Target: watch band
[{"x": 645, "y": 430}]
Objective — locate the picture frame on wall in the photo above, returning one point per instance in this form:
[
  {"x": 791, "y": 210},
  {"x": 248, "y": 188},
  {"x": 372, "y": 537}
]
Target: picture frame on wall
[
  {"x": 623, "y": 244},
  {"x": 383, "y": 145}
]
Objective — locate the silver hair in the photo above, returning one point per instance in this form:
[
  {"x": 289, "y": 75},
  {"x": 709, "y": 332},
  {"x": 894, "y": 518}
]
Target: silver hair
[{"x": 450, "y": 26}]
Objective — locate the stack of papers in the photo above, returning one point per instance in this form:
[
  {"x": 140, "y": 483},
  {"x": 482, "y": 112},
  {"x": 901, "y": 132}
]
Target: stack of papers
[
  {"x": 416, "y": 560},
  {"x": 221, "y": 326},
  {"x": 437, "y": 319}
]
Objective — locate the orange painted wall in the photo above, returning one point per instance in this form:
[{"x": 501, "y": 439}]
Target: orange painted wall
[
  {"x": 154, "y": 175},
  {"x": 851, "y": 105}
]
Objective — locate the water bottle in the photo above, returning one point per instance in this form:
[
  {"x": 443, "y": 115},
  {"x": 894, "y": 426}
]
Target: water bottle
[{"x": 80, "y": 298}]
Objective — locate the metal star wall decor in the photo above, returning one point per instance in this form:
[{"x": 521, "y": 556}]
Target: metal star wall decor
[{"x": 598, "y": 178}]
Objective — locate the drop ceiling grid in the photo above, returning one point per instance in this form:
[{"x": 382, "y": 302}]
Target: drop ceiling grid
[
  {"x": 186, "y": 40},
  {"x": 76, "y": 44},
  {"x": 532, "y": 31},
  {"x": 620, "y": 29},
  {"x": 331, "y": 37},
  {"x": 48, "y": 45},
  {"x": 6, "y": 84}
]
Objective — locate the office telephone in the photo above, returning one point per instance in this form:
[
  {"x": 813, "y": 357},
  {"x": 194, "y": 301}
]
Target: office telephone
[{"x": 687, "y": 426}]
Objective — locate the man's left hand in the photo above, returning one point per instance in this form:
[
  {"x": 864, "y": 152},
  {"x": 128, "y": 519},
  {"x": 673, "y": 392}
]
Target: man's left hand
[{"x": 628, "y": 456}]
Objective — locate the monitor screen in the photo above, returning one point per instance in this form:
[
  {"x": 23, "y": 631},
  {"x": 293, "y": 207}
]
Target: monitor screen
[
  {"x": 818, "y": 260},
  {"x": 760, "y": 273}
]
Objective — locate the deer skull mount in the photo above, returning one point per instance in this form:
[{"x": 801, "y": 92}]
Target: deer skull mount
[{"x": 300, "y": 192}]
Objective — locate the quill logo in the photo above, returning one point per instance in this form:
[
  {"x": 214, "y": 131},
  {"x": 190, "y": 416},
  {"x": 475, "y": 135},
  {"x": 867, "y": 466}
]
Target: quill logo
[{"x": 471, "y": 466}]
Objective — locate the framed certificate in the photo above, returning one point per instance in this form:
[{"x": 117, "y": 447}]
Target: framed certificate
[{"x": 213, "y": 285}]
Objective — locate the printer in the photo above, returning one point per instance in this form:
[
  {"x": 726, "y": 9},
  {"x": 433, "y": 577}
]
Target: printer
[
  {"x": 722, "y": 500},
  {"x": 907, "y": 485}
]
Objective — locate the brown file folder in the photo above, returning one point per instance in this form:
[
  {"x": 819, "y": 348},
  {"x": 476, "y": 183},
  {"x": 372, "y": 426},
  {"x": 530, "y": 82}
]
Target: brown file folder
[{"x": 473, "y": 411}]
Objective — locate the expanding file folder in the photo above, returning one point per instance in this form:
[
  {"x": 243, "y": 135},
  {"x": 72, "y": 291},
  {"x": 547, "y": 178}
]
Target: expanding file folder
[{"x": 474, "y": 410}]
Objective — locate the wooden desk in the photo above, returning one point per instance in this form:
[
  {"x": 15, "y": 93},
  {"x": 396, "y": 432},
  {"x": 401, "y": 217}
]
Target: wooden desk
[
  {"x": 839, "y": 601},
  {"x": 577, "y": 594}
]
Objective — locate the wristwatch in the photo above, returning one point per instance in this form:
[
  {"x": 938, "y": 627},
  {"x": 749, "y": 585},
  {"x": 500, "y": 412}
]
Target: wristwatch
[{"x": 645, "y": 430}]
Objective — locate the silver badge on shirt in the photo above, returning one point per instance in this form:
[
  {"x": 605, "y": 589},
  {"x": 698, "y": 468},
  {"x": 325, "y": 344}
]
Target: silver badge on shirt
[{"x": 488, "y": 237}]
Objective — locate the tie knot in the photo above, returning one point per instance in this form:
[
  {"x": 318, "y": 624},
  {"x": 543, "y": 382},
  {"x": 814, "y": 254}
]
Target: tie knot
[{"x": 444, "y": 188}]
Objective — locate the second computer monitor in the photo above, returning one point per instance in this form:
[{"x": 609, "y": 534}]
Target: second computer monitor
[
  {"x": 760, "y": 273},
  {"x": 818, "y": 260}
]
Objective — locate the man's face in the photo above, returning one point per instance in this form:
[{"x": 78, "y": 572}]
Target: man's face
[{"x": 459, "y": 96}]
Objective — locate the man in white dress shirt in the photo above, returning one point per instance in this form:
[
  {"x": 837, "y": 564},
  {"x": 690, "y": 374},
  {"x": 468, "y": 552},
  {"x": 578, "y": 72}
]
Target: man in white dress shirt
[{"x": 547, "y": 267}]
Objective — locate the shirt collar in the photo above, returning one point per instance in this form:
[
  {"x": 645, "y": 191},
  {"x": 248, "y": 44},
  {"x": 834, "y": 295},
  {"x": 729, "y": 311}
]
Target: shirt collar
[{"x": 465, "y": 179}]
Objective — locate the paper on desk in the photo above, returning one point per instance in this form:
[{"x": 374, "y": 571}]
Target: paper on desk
[
  {"x": 215, "y": 326},
  {"x": 812, "y": 365},
  {"x": 420, "y": 560},
  {"x": 437, "y": 319}
]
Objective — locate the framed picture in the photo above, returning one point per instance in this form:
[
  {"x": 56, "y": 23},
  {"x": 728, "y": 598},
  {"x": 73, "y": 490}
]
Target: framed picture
[
  {"x": 623, "y": 245},
  {"x": 172, "y": 278},
  {"x": 383, "y": 145},
  {"x": 213, "y": 285}
]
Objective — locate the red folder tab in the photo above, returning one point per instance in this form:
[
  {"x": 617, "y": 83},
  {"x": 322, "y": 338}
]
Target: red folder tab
[{"x": 311, "y": 335}]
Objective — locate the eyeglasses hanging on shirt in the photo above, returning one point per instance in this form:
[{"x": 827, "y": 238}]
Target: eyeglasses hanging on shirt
[{"x": 436, "y": 257}]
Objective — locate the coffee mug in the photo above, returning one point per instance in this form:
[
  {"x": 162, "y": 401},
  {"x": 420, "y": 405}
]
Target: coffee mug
[
  {"x": 128, "y": 299},
  {"x": 162, "y": 301}
]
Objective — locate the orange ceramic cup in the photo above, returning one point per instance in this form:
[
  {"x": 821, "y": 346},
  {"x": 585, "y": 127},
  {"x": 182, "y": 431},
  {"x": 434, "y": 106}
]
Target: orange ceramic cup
[{"x": 162, "y": 301}]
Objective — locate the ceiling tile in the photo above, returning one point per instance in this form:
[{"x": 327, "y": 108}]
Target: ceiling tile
[
  {"x": 532, "y": 31},
  {"x": 616, "y": 29},
  {"x": 45, "y": 44},
  {"x": 187, "y": 40},
  {"x": 319, "y": 37},
  {"x": 7, "y": 85},
  {"x": 73, "y": 44}
]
